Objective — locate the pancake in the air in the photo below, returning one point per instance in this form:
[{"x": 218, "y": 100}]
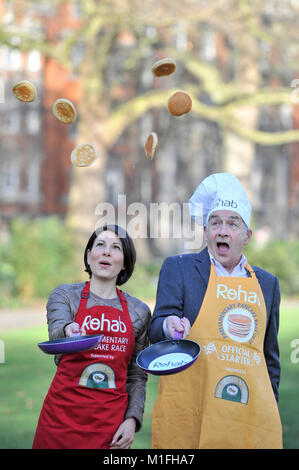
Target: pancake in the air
[
  {"x": 164, "y": 67},
  {"x": 151, "y": 144},
  {"x": 64, "y": 110},
  {"x": 179, "y": 103},
  {"x": 25, "y": 91},
  {"x": 84, "y": 155}
]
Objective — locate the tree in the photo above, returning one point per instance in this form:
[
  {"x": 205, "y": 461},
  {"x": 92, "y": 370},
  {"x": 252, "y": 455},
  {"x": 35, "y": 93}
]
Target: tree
[{"x": 112, "y": 66}]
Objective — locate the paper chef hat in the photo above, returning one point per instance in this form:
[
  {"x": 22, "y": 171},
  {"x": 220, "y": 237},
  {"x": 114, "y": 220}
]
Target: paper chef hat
[{"x": 220, "y": 191}]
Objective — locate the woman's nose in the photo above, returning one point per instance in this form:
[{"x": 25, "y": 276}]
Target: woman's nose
[{"x": 106, "y": 250}]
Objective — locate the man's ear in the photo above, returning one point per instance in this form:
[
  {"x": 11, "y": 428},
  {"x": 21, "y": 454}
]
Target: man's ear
[
  {"x": 248, "y": 236},
  {"x": 205, "y": 233}
]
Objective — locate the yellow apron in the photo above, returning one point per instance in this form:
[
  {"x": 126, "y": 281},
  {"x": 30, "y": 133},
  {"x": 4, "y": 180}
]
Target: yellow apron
[{"x": 225, "y": 399}]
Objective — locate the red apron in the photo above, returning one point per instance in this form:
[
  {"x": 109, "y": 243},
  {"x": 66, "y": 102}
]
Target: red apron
[{"x": 87, "y": 399}]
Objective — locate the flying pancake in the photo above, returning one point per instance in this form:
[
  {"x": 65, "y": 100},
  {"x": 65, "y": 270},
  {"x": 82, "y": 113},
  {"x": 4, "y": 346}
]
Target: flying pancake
[
  {"x": 25, "y": 91},
  {"x": 64, "y": 110},
  {"x": 84, "y": 155},
  {"x": 164, "y": 67},
  {"x": 151, "y": 145},
  {"x": 179, "y": 103}
]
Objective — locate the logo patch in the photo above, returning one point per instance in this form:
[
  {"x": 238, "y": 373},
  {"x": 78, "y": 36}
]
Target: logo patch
[
  {"x": 98, "y": 376},
  {"x": 238, "y": 324},
  {"x": 232, "y": 388}
]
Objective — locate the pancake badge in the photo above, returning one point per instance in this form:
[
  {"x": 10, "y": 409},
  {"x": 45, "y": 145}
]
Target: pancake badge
[
  {"x": 232, "y": 388},
  {"x": 98, "y": 376},
  {"x": 239, "y": 324}
]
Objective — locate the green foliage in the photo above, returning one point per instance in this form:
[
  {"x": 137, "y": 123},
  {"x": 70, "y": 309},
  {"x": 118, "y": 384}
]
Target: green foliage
[
  {"x": 41, "y": 254},
  {"x": 143, "y": 283},
  {"x": 280, "y": 258},
  {"x": 38, "y": 257}
]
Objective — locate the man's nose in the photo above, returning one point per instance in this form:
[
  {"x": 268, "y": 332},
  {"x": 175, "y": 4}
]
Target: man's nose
[{"x": 223, "y": 230}]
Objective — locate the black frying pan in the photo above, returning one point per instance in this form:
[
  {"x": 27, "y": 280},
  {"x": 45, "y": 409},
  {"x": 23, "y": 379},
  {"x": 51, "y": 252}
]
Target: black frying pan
[{"x": 168, "y": 357}]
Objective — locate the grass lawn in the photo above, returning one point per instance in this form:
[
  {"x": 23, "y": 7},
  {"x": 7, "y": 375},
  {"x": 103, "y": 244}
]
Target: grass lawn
[{"x": 27, "y": 372}]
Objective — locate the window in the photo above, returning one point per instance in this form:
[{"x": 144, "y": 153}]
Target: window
[
  {"x": 11, "y": 58},
  {"x": 11, "y": 121},
  {"x": 10, "y": 177},
  {"x": 33, "y": 177},
  {"x": 33, "y": 122},
  {"x": 33, "y": 61}
]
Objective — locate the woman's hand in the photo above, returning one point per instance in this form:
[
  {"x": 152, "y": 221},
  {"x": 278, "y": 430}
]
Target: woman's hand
[
  {"x": 124, "y": 436},
  {"x": 174, "y": 323},
  {"x": 72, "y": 328}
]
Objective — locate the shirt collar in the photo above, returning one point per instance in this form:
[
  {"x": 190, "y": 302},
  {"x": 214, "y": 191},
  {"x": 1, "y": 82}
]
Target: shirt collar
[{"x": 238, "y": 270}]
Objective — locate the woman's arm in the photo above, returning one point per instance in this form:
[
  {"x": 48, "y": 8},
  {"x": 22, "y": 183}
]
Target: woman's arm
[
  {"x": 136, "y": 378},
  {"x": 59, "y": 312}
]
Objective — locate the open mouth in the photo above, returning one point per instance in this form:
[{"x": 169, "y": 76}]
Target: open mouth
[
  {"x": 105, "y": 263},
  {"x": 222, "y": 248}
]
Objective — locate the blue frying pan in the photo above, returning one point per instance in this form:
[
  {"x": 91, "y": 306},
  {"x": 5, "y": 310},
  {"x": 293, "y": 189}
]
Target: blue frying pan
[
  {"x": 71, "y": 344},
  {"x": 169, "y": 356}
]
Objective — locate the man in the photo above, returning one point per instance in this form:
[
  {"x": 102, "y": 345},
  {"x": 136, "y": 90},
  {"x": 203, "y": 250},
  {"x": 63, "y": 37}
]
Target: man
[{"x": 228, "y": 397}]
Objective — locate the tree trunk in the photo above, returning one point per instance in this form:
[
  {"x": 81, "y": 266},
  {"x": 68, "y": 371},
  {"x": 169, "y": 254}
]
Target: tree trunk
[{"x": 239, "y": 152}]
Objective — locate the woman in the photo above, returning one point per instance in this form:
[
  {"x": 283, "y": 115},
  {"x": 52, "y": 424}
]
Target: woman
[{"x": 96, "y": 399}]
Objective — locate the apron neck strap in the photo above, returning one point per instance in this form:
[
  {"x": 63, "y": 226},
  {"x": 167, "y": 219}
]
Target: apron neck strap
[
  {"x": 122, "y": 300},
  {"x": 249, "y": 270},
  {"x": 85, "y": 295},
  {"x": 247, "y": 267}
]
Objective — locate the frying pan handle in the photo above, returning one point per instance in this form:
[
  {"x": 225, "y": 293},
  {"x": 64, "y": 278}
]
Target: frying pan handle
[{"x": 178, "y": 334}]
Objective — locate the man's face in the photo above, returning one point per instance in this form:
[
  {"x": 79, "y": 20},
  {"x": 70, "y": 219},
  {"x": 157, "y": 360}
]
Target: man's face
[{"x": 226, "y": 235}]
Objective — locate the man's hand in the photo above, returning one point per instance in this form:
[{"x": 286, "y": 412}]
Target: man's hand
[{"x": 174, "y": 323}]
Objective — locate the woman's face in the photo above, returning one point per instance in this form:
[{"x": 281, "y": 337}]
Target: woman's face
[{"x": 106, "y": 258}]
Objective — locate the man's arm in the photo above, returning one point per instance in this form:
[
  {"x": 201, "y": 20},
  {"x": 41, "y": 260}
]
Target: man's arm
[
  {"x": 170, "y": 300},
  {"x": 271, "y": 347}
]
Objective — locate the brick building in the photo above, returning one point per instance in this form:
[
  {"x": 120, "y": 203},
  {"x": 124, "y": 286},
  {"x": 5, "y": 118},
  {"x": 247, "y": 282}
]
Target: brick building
[{"x": 35, "y": 147}]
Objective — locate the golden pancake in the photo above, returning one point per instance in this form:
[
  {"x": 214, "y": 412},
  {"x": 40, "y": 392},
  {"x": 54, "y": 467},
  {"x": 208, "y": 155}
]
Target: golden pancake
[
  {"x": 179, "y": 103},
  {"x": 25, "y": 91},
  {"x": 151, "y": 144},
  {"x": 164, "y": 67},
  {"x": 64, "y": 110},
  {"x": 84, "y": 155}
]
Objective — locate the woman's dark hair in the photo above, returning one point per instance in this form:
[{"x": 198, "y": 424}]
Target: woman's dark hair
[{"x": 128, "y": 250}]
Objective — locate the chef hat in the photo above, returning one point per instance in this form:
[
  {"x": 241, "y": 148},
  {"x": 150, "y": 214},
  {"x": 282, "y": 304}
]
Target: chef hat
[{"x": 220, "y": 191}]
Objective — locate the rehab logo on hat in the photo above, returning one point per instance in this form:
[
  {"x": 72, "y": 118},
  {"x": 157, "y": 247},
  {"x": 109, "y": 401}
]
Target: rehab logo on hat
[{"x": 224, "y": 203}]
